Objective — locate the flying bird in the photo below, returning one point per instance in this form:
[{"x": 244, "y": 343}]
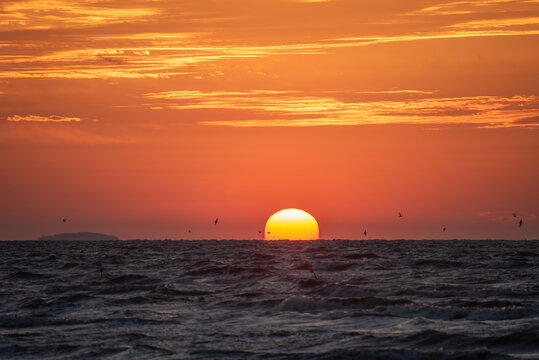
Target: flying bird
[
  {"x": 520, "y": 223},
  {"x": 64, "y": 220},
  {"x": 216, "y": 221},
  {"x": 400, "y": 215},
  {"x": 365, "y": 232},
  {"x": 443, "y": 229},
  {"x": 260, "y": 231},
  {"x": 514, "y": 215}
]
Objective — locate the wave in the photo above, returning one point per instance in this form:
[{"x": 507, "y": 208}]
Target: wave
[
  {"x": 133, "y": 278},
  {"x": 27, "y": 275},
  {"x": 361, "y": 256},
  {"x": 306, "y": 303},
  {"x": 70, "y": 265},
  {"x": 437, "y": 263},
  {"x": 255, "y": 299}
]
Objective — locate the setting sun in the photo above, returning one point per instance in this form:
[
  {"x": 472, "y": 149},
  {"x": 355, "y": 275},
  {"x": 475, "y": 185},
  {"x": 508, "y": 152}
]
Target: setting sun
[{"x": 291, "y": 224}]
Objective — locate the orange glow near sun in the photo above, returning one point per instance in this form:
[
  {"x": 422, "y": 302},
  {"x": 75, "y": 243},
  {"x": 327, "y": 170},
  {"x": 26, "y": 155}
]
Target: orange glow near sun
[{"x": 291, "y": 224}]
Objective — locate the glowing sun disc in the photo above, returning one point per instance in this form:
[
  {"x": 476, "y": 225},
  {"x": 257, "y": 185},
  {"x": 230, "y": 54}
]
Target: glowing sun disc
[{"x": 291, "y": 224}]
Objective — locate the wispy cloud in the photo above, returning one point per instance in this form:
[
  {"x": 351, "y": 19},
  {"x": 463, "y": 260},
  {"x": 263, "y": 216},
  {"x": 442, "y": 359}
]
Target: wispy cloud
[
  {"x": 496, "y": 23},
  {"x": 421, "y": 92},
  {"x": 46, "y": 14},
  {"x": 366, "y": 41},
  {"x": 37, "y": 118},
  {"x": 467, "y": 7},
  {"x": 289, "y": 108},
  {"x": 160, "y": 59},
  {"x": 148, "y": 49}
]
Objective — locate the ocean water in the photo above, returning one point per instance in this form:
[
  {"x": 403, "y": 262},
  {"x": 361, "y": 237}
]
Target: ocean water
[{"x": 258, "y": 300}]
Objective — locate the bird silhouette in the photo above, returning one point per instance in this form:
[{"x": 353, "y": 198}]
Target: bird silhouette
[
  {"x": 400, "y": 215},
  {"x": 260, "y": 231},
  {"x": 365, "y": 232},
  {"x": 520, "y": 223},
  {"x": 64, "y": 220},
  {"x": 443, "y": 229},
  {"x": 216, "y": 221},
  {"x": 514, "y": 215}
]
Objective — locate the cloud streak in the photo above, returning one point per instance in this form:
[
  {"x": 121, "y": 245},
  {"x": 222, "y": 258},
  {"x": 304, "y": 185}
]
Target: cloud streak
[
  {"x": 290, "y": 108},
  {"x": 109, "y": 49},
  {"x": 48, "y": 14},
  {"x": 165, "y": 61},
  {"x": 496, "y": 23},
  {"x": 471, "y": 7},
  {"x": 41, "y": 119}
]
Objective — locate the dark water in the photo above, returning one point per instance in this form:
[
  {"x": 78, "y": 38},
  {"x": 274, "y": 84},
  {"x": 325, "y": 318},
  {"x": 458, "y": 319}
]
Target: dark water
[{"x": 255, "y": 299}]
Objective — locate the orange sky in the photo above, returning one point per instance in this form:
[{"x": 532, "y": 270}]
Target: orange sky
[{"x": 144, "y": 119}]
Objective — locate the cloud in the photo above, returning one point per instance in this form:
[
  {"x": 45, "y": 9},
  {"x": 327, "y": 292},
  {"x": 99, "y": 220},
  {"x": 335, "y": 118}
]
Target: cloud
[
  {"x": 466, "y": 7},
  {"x": 496, "y": 23},
  {"x": 527, "y": 122},
  {"x": 421, "y": 92},
  {"x": 161, "y": 60},
  {"x": 37, "y": 118},
  {"x": 534, "y": 120},
  {"x": 366, "y": 41},
  {"x": 295, "y": 108},
  {"x": 93, "y": 39},
  {"x": 147, "y": 60},
  {"x": 47, "y": 14}
]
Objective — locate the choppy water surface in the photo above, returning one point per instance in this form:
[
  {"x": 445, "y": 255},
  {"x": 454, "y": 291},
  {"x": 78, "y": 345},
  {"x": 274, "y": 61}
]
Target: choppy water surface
[{"x": 255, "y": 299}]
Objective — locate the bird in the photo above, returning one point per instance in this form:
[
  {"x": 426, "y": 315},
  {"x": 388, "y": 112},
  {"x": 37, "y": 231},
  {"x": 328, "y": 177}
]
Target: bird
[
  {"x": 520, "y": 223},
  {"x": 400, "y": 215},
  {"x": 269, "y": 233},
  {"x": 216, "y": 221},
  {"x": 365, "y": 232},
  {"x": 260, "y": 231},
  {"x": 64, "y": 220},
  {"x": 514, "y": 215},
  {"x": 189, "y": 230},
  {"x": 443, "y": 229}
]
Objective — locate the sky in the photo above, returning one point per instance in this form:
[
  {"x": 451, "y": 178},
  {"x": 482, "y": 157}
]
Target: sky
[{"x": 150, "y": 118}]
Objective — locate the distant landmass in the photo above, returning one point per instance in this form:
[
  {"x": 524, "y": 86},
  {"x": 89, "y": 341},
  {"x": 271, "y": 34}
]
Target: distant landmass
[{"x": 81, "y": 236}]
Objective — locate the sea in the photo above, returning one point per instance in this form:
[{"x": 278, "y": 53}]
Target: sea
[{"x": 230, "y": 299}]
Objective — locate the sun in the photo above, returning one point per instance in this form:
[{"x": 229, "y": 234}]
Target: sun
[{"x": 291, "y": 224}]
